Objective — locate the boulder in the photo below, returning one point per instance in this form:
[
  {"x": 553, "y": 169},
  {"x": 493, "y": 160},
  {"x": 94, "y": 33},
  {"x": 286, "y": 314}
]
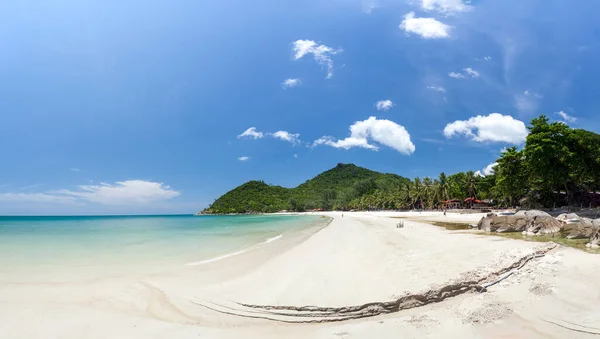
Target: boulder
[
  {"x": 504, "y": 223},
  {"x": 533, "y": 213},
  {"x": 595, "y": 239},
  {"x": 567, "y": 216},
  {"x": 484, "y": 223},
  {"x": 509, "y": 223},
  {"x": 575, "y": 227},
  {"x": 543, "y": 225}
]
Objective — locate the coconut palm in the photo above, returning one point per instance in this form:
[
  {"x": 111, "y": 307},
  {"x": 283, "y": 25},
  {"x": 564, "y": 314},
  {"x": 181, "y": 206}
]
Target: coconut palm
[
  {"x": 417, "y": 193},
  {"x": 442, "y": 187},
  {"x": 428, "y": 191},
  {"x": 470, "y": 185}
]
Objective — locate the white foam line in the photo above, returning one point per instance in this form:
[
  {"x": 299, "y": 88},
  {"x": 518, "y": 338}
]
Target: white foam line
[
  {"x": 229, "y": 255},
  {"x": 217, "y": 258},
  {"x": 272, "y": 239}
]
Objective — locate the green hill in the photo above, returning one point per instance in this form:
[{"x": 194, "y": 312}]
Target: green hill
[{"x": 333, "y": 188}]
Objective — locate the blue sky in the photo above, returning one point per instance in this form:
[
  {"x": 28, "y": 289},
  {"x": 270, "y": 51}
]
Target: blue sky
[{"x": 141, "y": 106}]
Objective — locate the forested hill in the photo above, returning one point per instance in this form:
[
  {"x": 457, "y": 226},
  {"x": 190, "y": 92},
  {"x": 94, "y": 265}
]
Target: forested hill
[
  {"x": 331, "y": 189},
  {"x": 557, "y": 166}
]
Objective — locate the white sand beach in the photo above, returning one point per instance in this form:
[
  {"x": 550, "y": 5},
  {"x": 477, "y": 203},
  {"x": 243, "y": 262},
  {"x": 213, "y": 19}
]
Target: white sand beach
[{"x": 364, "y": 277}]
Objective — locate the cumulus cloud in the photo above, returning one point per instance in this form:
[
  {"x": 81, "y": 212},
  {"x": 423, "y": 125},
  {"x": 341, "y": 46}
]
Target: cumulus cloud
[
  {"x": 487, "y": 58},
  {"x": 384, "y": 132},
  {"x": 489, "y": 169},
  {"x": 437, "y": 88},
  {"x": 289, "y": 83},
  {"x": 384, "y": 105},
  {"x": 456, "y": 75},
  {"x": 427, "y": 28},
  {"x": 244, "y": 158},
  {"x": 473, "y": 73},
  {"x": 292, "y": 138},
  {"x": 321, "y": 53},
  {"x": 567, "y": 118},
  {"x": 445, "y": 6},
  {"x": 251, "y": 133},
  {"x": 493, "y": 128},
  {"x": 129, "y": 192}
]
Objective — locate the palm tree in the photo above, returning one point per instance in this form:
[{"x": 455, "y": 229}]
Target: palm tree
[
  {"x": 428, "y": 191},
  {"x": 417, "y": 192},
  {"x": 406, "y": 194},
  {"x": 470, "y": 185},
  {"x": 443, "y": 187},
  {"x": 436, "y": 192}
]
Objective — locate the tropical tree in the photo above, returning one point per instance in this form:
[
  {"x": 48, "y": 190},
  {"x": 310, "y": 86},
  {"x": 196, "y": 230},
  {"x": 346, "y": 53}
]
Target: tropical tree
[
  {"x": 548, "y": 157},
  {"x": 417, "y": 193},
  {"x": 511, "y": 175},
  {"x": 470, "y": 185},
  {"x": 443, "y": 187}
]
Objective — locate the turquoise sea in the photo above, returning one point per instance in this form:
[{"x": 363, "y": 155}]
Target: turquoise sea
[{"x": 118, "y": 244}]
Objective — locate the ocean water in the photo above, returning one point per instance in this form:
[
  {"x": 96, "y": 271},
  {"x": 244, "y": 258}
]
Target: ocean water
[{"x": 113, "y": 245}]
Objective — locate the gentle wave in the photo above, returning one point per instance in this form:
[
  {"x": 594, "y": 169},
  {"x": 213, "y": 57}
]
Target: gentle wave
[
  {"x": 229, "y": 255},
  {"x": 272, "y": 239}
]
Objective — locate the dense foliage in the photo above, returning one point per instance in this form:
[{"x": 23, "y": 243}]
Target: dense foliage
[
  {"x": 343, "y": 183},
  {"x": 557, "y": 166}
]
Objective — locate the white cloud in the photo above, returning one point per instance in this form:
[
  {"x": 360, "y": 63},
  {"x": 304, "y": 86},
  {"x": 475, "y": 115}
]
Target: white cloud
[
  {"x": 129, "y": 192},
  {"x": 369, "y": 5},
  {"x": 384, "y": 105},
  {"x": 123, "y": 192},
  {"x": 533, "y": 94},
  {"x": 445, "y": 6},
  {"x": 456, "y": 75},
  {"x": 473, "y": 73},
  {"x": 489, "y": 169},
  {"x": 468, "y": 70},
  {"x": 289, "y": 83},
  {"x": 437, "y": 88},
  {"x": 321, "y": 53},
  {"x": 528, "y": 101},
  {"x": 74, "y": 169},
  {"x": 487, "y": 58},
  {"x": 382, "y": 131},
  {"x": 427, "y": 28},
  {"x": 295, "y": 155},
  {"x": 494, "y": 128},
  {"x": 244, "y": 158},
  {"x": 251, "y": 133},
  {"x": 37, "y": 197},
  {"x": 287, "y": 136},
  {"x": 567, "y": 118}
]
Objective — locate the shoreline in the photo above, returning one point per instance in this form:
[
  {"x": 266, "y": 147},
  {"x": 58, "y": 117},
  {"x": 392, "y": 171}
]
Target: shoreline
[{"x": 356, "y": 260}]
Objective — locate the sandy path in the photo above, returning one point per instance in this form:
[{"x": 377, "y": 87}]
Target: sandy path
[{"x": 357, "y": 259}]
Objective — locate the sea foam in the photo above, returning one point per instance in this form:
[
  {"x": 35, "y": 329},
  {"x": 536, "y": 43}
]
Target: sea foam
[{"x": 229, "y": 255}]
